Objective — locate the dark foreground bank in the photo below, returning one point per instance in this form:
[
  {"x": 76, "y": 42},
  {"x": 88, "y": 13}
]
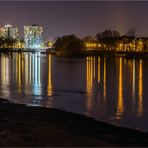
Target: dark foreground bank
[{"x": 36, "y": 126}]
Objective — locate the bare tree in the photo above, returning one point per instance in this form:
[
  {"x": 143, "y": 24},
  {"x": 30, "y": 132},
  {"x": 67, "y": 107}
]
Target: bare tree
[
  {"x": 131, "y": 32},
  {"x": 88, "y": 38}
]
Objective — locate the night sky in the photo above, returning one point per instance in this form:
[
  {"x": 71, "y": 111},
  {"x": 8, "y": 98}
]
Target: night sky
[{"x": 80, "y": 18}]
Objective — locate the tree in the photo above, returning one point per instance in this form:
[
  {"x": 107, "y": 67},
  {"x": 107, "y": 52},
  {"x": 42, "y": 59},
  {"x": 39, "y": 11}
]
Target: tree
[
  {"x": 131, "y": 32},
  {"x": 88, "y": 39},
  {"x": 109, "y": 38},
  {"x": 10, "y": 42},
  {"x": 69, "y": 45}
]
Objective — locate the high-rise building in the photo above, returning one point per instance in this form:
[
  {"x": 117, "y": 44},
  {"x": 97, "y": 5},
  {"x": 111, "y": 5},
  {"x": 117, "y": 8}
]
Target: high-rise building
[
  {"x": 9, "y": 31},
  {"x": 33, "y": 36}
]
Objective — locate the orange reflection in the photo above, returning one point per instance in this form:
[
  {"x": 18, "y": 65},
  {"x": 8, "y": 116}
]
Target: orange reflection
[
  {"x": 140, "y": 101},
  {"x": 98, "y": 69},
  {"x": 89, "y": 83},
  {"x": 5, "y": 79},
  {"x": 49, "y": 77},
  {"x": 104, "y": 81},
  {"x": 26, "y": 68},
  {"x": 19, "y": 74},
  {"x": 89, "y": 74},
  {"x": 133, "y": 87},
  {"x": 22, "y": 66},
  {"x": 119, "y": 107},
  {"x": 3, "y": 75}
]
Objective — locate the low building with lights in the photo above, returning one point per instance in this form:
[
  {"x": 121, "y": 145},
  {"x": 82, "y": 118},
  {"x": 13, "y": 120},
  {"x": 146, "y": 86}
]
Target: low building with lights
[
  {"x": 33, "y": 36},
  {"x": 92, "y": 45}
]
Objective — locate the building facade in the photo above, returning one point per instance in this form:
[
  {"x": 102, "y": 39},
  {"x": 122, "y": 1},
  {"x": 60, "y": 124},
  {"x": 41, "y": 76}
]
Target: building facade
[
  {"x": 9, "y": 32},
  {"x": 33, "y": 36}
]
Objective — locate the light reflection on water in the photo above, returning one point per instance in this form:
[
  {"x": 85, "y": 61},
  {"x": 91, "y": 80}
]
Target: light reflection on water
[
  {"x": 120, "y": 106},
  {"x": 109, "y": 89}
]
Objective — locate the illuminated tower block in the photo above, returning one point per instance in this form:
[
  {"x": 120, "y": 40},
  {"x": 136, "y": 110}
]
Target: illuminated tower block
[
  {"x": 33, "y": 36},
  {"x": 9, "y": 31}
]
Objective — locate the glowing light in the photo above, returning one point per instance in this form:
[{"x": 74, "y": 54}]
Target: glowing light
[
  {"x": 92, "y": 45},
  {"x": 49, "y": 89},
  {"x": 30, "y": 68},
  {"x": 36, "y": 73},
  {"x": 5, "y": 75},
  {"x": 140, "y": 100},
  {"x": 26, "y": 68},
  {"x": 98, "y": 69},
  {"x": 19, "y": 74},
  {"x": 104, "y": 81},
  {"x": 89, "y": 83},
  {"x": 33, "y": 36},
  {"x": 133, "y": 82},
  {"x": 5, "y": 70},
  {"x": 120, "y": 107}
]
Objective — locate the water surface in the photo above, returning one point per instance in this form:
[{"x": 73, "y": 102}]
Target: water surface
[{"x": 109, "y": 89}]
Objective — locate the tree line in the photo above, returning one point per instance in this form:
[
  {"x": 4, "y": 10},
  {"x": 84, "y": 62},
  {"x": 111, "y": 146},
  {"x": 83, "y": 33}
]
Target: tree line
[{"x": 72, "y": 45}]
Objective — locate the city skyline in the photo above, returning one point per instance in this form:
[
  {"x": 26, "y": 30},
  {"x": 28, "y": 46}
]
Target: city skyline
[{"x": 80, "y": 18}]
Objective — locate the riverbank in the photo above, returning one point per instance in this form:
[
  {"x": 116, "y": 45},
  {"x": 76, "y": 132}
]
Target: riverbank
[
  {"x": 37, "y": 126},
  {"x": 85, "y": 53}
]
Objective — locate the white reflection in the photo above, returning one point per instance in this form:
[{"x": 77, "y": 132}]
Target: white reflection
[{"x": 36, "y": 73}]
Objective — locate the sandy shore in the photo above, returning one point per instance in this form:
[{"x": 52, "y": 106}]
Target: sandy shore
[{"x": 37, "y": 126}]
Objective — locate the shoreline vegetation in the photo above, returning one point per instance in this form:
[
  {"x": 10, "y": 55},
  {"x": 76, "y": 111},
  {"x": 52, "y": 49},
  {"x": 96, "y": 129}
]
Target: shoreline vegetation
[
  {"x": 101, "y": 53},
  {"x": 107, "y": 43},
  {"x": 37, "y": 126}
]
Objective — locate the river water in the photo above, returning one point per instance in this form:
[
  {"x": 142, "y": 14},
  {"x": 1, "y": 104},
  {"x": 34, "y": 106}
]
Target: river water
[{"x": 113, "y": 90}]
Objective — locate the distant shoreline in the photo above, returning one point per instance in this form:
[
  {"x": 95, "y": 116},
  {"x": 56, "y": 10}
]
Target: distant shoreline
[
  {"x": 126, "y": 54},
  {"x": 38, "y": 126}
]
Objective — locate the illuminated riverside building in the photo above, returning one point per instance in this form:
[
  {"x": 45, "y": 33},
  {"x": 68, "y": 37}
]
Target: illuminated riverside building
[
  {"x": 9, "y": 31},
  {"x": 33, "y": 36},
  {"x": 92, "y": 45},
  {"x": 123, "y": 44}
]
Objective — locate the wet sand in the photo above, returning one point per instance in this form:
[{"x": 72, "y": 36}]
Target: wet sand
[{"x": 38, "y": 126}]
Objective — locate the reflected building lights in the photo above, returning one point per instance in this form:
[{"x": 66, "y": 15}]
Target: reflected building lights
[
  {"x": 49, "y": 89},
  {"x": 120, "y": 107},
  {"x": 133, "y": 87},
  {"x": 5, "y": 80},
  {"x": 140, "y": 99},
  {"x": 30, "y": 68},
  {"x": 89, "y": 83},
  {"x": 104, "y": 80},
  {"x": 26, "y": 69},
  {"x": 19, "y": 74},
  {"x": 94, "y": 68},
  {"x": 23, "y": 66},
  {"x": 98, "y": 69},
  {"x": 36, "y": 73},
  {"x": 5, "y": 70},
  {"x": 32, "y": 65}
]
